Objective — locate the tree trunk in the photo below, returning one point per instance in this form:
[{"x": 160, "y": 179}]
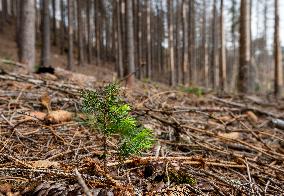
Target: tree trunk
[
  {"x": 119, "y": 58},
  {"x": 45, "y": 50},
  {"x": 204, "y": 46},
  {"x": 222, "y": 65},
  {"x": 213, "y": 68},
  {"x": 97, "y": 31},
  {"x": 130, "y": 45},
  {"x": 80, "y": 34},
  {"x": 177, "y": 54},
  {"x": 70, "y": 35},
  {"x": 27, "y": 46},
  {"x": 148, "y": 21},
  {"x": 278, "y": 80},
  {"x": 244, "y": 58},
  {"x": 192, "y": 57},
  {"x": 171, "y": 43},
  {"x": 62, "y": 27},
  {"x": 54, "y": 23},
  {"x": 89, "y": 3},
  {"x": 139, "y": 41},
  {"x": 185, "y": 43}
]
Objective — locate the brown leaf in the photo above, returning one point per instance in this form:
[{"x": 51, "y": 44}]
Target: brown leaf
[
  {"x": 36, "y": 114},
  {"x": 232, "y": 135},
  {"x": 225, "y": 118},
  {"x": 59, "y": 116},
  {"x": 252, "y": 117},
  {"x": 46, "y": 101},
  {"x": 44, "y": 164}
]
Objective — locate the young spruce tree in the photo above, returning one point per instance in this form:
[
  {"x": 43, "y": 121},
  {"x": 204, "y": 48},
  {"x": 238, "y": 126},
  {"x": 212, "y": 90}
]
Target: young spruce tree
[{"x": 106, "y": 112}]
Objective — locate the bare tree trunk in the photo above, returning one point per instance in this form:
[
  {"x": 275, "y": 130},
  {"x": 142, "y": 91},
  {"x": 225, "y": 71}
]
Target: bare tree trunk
[
  {"x": 62, "y": 27},
  {"x": 149, "y": 52},
  {"x": 192, "y": 57},
  {"x": 45, "y": 51},
  {"x": 185, "y": 43},
  {"x": 130, "y": 44},
  {"x": 70, "y": 35},
  {"x": 177, "y": 55},
  {"x": 244, "y": 58},
  {"x": 171, "y": 43},
  {"x": 27, "y": 46},
  {"x": 80, "y": 34},
  {"x": 119, "y": 58},
  {"x": 54, "y": 23},
  {"x": 18, "y": 23},
  {"x": 97, "y": 31},
  {"x": 204, "y": 47},
  {"x": 278, "y": 80},
  {"x": 139, "y": 41},
  {"x": 222, "y": 66},
  {"x": 89, "y": 3},
  {"x": 213, "y": 78}
]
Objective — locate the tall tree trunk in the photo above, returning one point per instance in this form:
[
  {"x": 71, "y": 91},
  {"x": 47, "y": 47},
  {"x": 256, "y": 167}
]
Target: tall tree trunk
[
  {"x": 149, "y": 52},
  {"x": 177, "y": 54},
  {"x": 204, "y": 47},
  {"x": 233, "y": 70},
  {"x": 130, "y": 44},
  {"x": 278, "y": 80},
  {"x": 45, "y": 50},
  {"x": 19, "y": 5},
  {"x": 171, "y": 42},
  {"x": 27, "y": 46},
  {"x": 192, "y": 57},
  {"x": 54, "y": 23},
  {"x": 244, "y": 58},
  {"x": 97, "y": 31},
  {"x": 213, "y": 68},
  {"x": 80, "y": 33},
  {"x": 119, "y": 58},
  {"x": 70, "y": 35},
  {"x": 62, "y": 26},
  {"x": 185, "y": 43},
  {"x": 89, "y": 3},
  {"x": 139, "y": 40},
  {"x": 222, "y": 65}
]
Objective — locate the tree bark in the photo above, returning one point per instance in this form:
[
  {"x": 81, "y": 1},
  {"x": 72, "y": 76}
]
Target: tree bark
[
  {"x": 80, "y": 34},
  {"x": 213, "y": 68},
  {"x": 204, "y": 47},
  {"x": 130, "y": 45},
  {"x": 45, "y": 50},
  {"x": 97, "y": 32},
  {"x": 119, "y": 58},
  {"x": 54, "y": 23},
  {"x": 62, "y": 27},
  {"x": 185, "y": 43},
  {"x": 177, "y": 51},
  {"x": 70, "y": 35},
  {"x": 244, "y": 58},
  {"x": 27, "y": 46},
  {"x": 278, "y": 80},
  {"x": 149, "y": 52},
  {"x": 171, "y": 43},
  {"x": 222, "y": 65}
]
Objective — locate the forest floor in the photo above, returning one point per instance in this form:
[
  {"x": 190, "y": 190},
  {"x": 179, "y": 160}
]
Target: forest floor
[{"x": 205, "y": 144}]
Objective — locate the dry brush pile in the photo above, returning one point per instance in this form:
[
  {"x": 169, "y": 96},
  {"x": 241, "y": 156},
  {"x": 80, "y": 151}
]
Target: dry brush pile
[{"x": 205, "y": 145}]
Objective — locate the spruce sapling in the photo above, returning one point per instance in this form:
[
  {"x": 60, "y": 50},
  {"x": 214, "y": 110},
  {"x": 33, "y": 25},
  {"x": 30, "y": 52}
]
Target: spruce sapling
[{"x": 106, "y": 112}]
